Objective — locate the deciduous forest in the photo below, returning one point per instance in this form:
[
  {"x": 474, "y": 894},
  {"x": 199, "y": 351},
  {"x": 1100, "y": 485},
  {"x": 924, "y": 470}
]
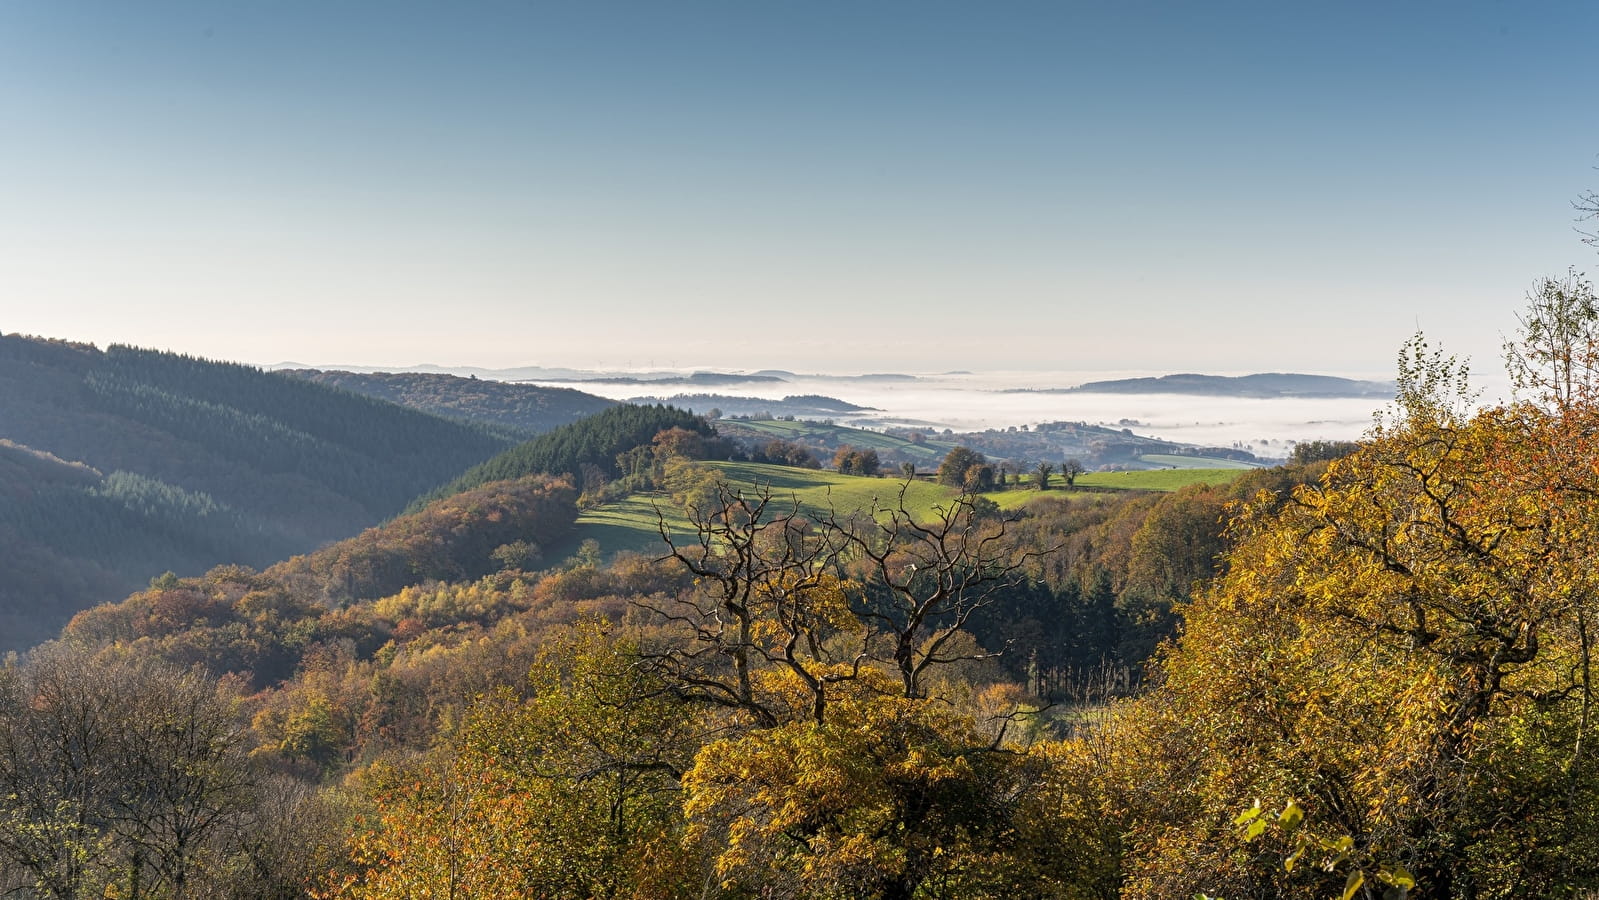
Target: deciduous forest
[{"x": 1364, "y": 673}]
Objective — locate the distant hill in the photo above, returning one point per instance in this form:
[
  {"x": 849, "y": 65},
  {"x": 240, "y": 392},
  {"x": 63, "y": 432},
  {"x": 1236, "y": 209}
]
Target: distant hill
[
  {"x": 118, "y": 465},
  {"x": 1271, "y": 384},
  {"x": 697, "y": 378},
  {"x": 807, "y": 406},
  {"x": 523, "y": 408},
  {"x": 517, "y": 373}
]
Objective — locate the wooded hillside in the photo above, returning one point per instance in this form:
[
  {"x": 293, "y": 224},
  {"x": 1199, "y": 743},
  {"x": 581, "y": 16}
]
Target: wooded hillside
[
  {"x": 586, "y": 450},
  {"x": 524, "y": 409},
  {"x": 124, "y": 463}
]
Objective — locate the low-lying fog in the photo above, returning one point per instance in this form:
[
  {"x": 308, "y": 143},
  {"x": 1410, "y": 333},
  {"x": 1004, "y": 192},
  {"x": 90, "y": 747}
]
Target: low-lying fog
[{"x": 973, "y": 402}]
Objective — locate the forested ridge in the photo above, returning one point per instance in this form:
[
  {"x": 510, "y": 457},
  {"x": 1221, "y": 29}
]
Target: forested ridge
[
  {"x": 587, "y": 449},
  {"x": 521, "y": 409},
  {"x": 122, "y": 463}
]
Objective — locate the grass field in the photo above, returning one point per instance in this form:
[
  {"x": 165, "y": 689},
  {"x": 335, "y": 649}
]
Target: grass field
[
  {"x": 1018, "y": 497},
  {"x": 1141, "y": 480},
  {"x": 631, "y": 524},
  {"x": 819, "y": 492},
  {"x": 1194, "y": 462},
  {"x": 1158, "y": 479}
]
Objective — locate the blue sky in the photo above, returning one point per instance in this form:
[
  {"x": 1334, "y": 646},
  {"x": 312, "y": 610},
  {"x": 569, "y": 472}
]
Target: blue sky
[{"x": 846, "y": 186}]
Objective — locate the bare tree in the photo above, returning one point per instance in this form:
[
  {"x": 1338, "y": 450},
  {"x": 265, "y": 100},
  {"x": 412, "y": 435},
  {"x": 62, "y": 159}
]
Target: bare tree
[
  {"x": 767, "y": 594},
  {"x": 932, "y": 573},
  {"x": 119, "y": 775},
  {"x": 1587, "y": 206},
  {"x": 821, "y": 599},
  {"x": 293, "y": 836},
  {"x": 184, "y": 779},
  {"x": 1556, "y": 354}
]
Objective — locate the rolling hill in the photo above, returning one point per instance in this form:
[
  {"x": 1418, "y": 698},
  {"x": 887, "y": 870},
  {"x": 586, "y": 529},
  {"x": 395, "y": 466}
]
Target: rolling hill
[
  {"x": 523, "y": 409},
  {"x": 120, "y": 464}
]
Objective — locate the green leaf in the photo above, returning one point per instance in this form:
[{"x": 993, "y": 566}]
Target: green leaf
[
  {"x": 1248, "y": 814},
  {"x": 1291, "y": 816},
  {"x": 1293, "y": 858},
  {"x": 1398, "y": 876},
  {"x": 1343, "y": 846},
  {"x": 1356, "y": 879},
  {"x": 1255, "y": 829}
]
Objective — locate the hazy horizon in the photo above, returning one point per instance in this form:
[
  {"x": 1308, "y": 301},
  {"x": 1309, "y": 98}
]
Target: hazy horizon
[
  {"x": 978, "y": 400},
  {"x": 1241, "y": 186},
  {"x": 975, "y": 400}
]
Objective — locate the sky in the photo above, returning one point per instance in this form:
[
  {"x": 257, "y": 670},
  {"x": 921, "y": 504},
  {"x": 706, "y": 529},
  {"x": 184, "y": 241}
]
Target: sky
[{"x": 815, "y": 186}]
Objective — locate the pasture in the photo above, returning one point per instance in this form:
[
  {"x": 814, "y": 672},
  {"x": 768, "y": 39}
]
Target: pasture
[
  {"x": 633, "y": 522},
  {"x": 1194, "y": 462},
  {"x": 1158, "y": 479}
]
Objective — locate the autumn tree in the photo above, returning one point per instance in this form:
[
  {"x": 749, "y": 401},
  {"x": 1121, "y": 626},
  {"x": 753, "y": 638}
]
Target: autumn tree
[
  {"x": 814, "y": 640},
  {"x": 1176, "y": 549},
  {"x": 891, "y": 797},
  {"x": 854, "y": 461},
  {"x": 844, "y": 459},
  {"x": 978, "y": 479},
  {"x": 1403, "y": 651},
  {"x": 570, "y": 793},
  {"x": 679, "y": 441},
  {"x": 952, "y": 471}
]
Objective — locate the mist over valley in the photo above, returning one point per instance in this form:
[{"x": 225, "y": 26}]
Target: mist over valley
[{"x": 975, "y": 401}]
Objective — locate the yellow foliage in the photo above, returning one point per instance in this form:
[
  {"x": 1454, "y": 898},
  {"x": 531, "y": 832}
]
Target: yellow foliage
[{"x": 1397, "y": 646}]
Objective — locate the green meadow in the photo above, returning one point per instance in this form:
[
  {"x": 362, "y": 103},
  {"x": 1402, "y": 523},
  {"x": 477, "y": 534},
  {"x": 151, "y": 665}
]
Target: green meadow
[
  {"x": 819, "y": 492},
  {"x": 1194, "y": 462},
  {"x": 1158, "y": 479},
  {"x": 634, "y": 522}
]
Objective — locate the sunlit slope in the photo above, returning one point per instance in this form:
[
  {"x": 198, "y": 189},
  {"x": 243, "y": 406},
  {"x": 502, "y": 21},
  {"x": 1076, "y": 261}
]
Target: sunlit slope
[{"x": 634, "y": 523}]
